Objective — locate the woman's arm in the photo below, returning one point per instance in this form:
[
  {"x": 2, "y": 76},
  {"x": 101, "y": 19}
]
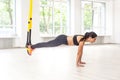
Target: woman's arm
[{"x": 79, "y": 54}]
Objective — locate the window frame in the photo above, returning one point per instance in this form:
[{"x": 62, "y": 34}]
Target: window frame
[
  {"x": 9, "y": 32},
  {"x": 98, "y": 32},
  {"x": 52, "y": 34}
]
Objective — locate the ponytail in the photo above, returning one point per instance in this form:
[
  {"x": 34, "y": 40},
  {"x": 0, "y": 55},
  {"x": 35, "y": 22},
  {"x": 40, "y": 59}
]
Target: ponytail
[{"x": 87, "y": 35}]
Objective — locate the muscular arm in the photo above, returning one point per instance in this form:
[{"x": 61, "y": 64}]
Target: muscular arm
[{"x": 79, "y": 53}]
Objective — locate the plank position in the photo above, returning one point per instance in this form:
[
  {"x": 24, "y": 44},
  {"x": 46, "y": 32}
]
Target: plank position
[{"x": 78, "y": 40}]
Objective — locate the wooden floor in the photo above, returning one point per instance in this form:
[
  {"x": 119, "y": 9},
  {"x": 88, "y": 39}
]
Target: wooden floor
[{"x": 58, "y": 63}]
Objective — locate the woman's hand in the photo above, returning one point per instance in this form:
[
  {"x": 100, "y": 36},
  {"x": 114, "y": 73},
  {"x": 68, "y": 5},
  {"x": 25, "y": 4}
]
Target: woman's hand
[{"x": 82, "y": 62}]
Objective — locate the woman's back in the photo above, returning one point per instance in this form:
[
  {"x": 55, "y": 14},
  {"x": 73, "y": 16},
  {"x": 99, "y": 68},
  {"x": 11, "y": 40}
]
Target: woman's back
[{"x": 73, "y": 40}]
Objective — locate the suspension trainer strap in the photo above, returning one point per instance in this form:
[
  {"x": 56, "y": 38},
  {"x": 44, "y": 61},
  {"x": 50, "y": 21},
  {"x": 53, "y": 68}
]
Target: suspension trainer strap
[{"x": 29, "y": 27}]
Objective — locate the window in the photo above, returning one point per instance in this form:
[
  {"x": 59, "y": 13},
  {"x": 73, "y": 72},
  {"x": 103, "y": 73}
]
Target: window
[
  {"x": 7, "y": 17},
  {"x": 53, "y": 17},
  {"x": 93, "y": 17}
]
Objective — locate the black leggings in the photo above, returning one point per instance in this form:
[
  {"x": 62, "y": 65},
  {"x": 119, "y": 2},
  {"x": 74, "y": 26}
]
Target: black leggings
[{"x": 59, "y": 40}]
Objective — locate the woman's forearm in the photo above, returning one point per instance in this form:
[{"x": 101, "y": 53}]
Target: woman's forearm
[{"x": 78, "y": 58}]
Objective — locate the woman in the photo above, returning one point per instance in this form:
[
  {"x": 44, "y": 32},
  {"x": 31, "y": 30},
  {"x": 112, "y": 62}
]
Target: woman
[{"x": 78, "y": 40}]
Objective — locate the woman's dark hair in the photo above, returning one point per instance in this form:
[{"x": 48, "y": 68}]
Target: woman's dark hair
[{"x": 87, "y": 35}]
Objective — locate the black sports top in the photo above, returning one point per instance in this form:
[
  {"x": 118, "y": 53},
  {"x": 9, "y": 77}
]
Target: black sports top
[{"x": 75, "y": 40}]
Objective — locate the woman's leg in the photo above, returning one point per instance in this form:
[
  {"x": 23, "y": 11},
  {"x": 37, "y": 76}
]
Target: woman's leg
[
  {"x": 62, "y": 39},
  {"x": 52, "y": 43}
]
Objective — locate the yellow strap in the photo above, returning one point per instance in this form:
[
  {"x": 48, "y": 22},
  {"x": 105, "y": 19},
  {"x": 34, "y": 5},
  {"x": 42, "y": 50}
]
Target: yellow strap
[{"x": 30, "y": 16}]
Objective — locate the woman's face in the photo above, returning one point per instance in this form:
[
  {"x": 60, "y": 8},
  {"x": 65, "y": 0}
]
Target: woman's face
[{"x": 92, "y": 39}]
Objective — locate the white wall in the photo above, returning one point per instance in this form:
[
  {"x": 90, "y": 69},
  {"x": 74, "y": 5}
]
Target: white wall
[
  {"x": 75, "y": 17},
  {"x": 109, "y": 22},
  {"x": 116, "y": 21}
]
